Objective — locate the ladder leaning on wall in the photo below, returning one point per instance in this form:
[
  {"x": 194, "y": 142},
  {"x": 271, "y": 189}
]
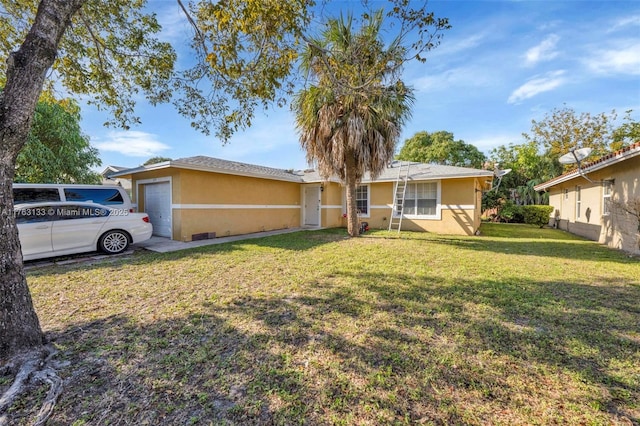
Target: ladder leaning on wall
[{"x": 395, "y": 222}]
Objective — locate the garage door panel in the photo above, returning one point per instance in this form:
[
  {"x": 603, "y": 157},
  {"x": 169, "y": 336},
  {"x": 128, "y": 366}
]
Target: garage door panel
[{"x": 157, "y": 204}]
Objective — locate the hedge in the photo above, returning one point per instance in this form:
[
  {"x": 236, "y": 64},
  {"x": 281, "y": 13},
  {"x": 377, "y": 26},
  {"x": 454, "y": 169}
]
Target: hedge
[{"x": 536, "y": 214}]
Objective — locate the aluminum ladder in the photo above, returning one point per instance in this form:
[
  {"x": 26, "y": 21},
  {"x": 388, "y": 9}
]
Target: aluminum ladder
[{"x": 395, "y": 222}]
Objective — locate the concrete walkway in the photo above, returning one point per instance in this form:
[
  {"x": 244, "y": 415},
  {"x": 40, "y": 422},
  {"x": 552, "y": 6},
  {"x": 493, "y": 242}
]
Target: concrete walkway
[{"x": 165, "y": 245}]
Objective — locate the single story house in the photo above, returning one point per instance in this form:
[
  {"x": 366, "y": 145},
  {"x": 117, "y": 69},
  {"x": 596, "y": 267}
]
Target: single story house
[
  {"x": 108, "y": 180},
  {"x": 202, "y": 197},
  {"x": 600, "y": 200}
]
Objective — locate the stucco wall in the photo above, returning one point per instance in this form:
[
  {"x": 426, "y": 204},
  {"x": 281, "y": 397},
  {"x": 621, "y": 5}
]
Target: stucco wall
[
  {"x": 460, "y": 208},
  {"x": 332, "y": 210},
  {"x": 232, "y": 205},
  {"x": 616, "y": 229},
  {"x": 225, "y": 204}
]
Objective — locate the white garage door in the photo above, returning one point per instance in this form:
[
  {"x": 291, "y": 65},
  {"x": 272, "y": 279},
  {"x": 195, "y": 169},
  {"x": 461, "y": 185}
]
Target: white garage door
[{"x": 157, "y": 204}]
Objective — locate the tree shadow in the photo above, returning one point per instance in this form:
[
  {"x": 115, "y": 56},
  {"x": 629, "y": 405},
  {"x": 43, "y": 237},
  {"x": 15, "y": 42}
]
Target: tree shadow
[
  {"x": 363, "y": 347},
  {"x": 565, "y": 248},
  {"x": 296, "y": 241}
]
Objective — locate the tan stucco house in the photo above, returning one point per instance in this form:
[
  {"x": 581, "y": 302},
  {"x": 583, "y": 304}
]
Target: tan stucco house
[
  {"x": 594, "y": 200},
  {"x": 189, "y": 198}
]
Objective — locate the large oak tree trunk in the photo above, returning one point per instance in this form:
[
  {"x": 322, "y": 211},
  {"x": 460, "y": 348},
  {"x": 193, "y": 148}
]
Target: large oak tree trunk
[
  {"x": 19, "y": 325},
  {"x": 26, "y": 71}
]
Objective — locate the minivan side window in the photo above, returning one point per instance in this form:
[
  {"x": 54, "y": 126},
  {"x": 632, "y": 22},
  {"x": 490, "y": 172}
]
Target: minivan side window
[
  {"x": 104, "y": 196},
  {"x": 35, "y": 195},
  {"x": 35, "y": 214}
]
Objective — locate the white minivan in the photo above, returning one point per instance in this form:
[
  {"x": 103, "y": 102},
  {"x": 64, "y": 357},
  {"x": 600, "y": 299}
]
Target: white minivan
[
  {"x": 61, "y": 228},
  {"x": 112, "y": 196}
]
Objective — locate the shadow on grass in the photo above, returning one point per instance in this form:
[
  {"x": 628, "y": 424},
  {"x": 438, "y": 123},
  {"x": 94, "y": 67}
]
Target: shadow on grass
[
  {"x": 529, "y": 241},
  {"x": 296, "y": 241},
  {"x": 562, "y": 245},
  {"x": 365, "y": 347}
]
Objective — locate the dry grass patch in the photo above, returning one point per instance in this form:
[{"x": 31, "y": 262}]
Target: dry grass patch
[{"x": 518, "y": 326}]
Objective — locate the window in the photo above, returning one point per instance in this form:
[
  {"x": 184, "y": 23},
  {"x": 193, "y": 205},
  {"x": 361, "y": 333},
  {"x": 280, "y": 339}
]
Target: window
[
  {"x": 35, "y": 214},
  {"x": 35, "y": 195},
  {"x": 104, "y": 196},
  {"x": 566, "y": 194},
  {"x": 362, "y": 200},
  {"x": 578, "y": 202},
  {"x": 421, "y": 199},
  {"x": 607, "y": 189}
]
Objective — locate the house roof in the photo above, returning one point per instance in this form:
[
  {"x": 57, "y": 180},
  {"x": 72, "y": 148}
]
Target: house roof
[
  {"x": 417, "y": 171},
  {"x": 216, "y": 165},
  {"x": 602, "y": 162},
  {"x": 109, "y": 170}
]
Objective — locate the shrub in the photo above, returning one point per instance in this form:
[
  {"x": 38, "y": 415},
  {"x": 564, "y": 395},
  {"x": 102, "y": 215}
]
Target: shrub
[
  {"x": 510, "y": 212},
  {"x": 536, "y": 214}
]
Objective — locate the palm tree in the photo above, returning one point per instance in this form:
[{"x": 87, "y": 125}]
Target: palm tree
[{"x": 350, "y": 116}]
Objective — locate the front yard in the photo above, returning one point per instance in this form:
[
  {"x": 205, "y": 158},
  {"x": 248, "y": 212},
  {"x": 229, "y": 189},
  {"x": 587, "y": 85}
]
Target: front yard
[{"x": 518, "y": 326}]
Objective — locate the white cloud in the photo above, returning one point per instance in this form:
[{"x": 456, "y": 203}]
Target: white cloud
[
  {"x": 457, "y": 77},
  {"x": 462, "y": 44},
  {"x": 544, "y": 51},
  {"x": 633, "y": 20},
  {"x": 537, "y": 85},
  {"x": 175, "y": 26},
  {"x": 622, "y": 59},
  {"x": 131, "y": 144}
]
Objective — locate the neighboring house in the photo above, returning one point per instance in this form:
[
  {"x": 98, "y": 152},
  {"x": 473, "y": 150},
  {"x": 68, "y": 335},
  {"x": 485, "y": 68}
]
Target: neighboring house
[
  {"x": 199, "y": 197},
  {"x": 597, "y": 202},
  {"x": 108, "y": 180}
]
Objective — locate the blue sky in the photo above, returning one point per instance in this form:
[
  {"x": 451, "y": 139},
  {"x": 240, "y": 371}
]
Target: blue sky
[{"x": 501, "y": 65}]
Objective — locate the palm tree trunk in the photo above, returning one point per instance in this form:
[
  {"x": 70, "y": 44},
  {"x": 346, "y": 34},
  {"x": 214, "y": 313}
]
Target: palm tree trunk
[{"x": 351, "y": 184}]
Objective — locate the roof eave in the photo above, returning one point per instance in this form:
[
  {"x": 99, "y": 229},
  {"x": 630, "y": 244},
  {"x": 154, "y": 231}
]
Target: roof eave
[
  {"x": 589, "y": 168},
  {"x": 188, "y": 166}
]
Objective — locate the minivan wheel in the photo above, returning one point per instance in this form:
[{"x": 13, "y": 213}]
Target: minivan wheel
[{"x": 114, "y": 242}]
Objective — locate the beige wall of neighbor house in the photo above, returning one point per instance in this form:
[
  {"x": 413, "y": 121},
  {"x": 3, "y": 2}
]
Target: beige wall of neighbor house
[{"x": 595, "y": 210}]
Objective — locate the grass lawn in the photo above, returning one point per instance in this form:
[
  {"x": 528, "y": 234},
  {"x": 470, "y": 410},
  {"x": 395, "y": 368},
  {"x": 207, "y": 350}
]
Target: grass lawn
[{"x": 518, "y": 326}]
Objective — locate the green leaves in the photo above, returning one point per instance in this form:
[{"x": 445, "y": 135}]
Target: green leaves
[
  {"x": 56, "y": 150},
  {"x": 440, "y": 148},
  {"x": 245, "y": 51},
  {"x": 355, "y": 104},
  {"x": 244, "y": 57}
]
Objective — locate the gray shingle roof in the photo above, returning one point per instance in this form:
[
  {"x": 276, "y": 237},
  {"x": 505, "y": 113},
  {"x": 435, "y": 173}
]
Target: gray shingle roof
[
  {"x": 417, "y": 171},
  {"x": 205, "y": 163}
]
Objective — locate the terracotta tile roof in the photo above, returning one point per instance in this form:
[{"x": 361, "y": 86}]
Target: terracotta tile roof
[{"x": 604, "y": 161}]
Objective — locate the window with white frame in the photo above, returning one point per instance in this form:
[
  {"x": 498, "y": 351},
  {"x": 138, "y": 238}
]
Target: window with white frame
[
  {"x": 607, "y": 189},
  {"x": 566, "y": 194},
  {"x": 421, "y": 199},
  {"x": 578, "y": 201},
  {"x": 362, "y": 200}
]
